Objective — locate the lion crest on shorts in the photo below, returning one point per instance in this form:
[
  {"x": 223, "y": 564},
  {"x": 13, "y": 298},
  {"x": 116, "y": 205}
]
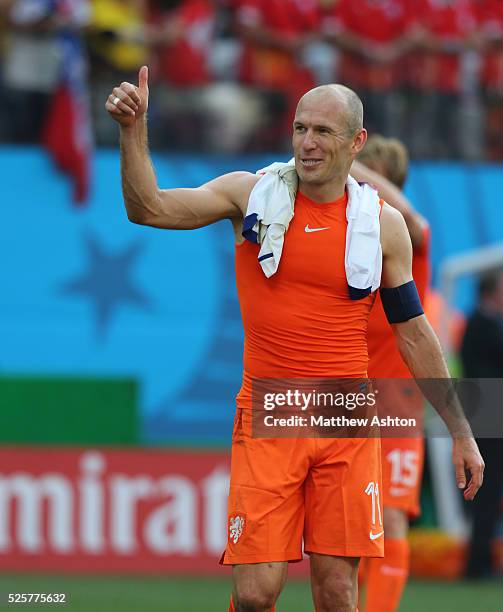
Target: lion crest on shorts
[{"x": 236, "y": 526}]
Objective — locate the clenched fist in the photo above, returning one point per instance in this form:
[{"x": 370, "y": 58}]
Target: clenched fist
[{"x": 128, "y": 103}]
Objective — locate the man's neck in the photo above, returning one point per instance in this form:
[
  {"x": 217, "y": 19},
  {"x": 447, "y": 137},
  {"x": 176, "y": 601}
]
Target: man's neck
[{"x": 325, "y": 192}]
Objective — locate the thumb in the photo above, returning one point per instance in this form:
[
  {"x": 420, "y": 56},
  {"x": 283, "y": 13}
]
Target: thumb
[
  {"x": 460, "y": 475},
  {"x": 143, "y": 78}
]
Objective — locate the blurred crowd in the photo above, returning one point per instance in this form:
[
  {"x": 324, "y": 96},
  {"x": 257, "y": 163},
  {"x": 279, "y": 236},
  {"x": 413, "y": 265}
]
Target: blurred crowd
[{"x": 226, "y": 74}]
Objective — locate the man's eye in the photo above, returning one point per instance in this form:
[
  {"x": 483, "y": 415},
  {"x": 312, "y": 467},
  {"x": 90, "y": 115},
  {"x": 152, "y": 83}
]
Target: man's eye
[{"x": 299, "y": 128}]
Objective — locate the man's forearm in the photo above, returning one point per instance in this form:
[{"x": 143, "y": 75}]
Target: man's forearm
[
  {"x": 139, "y": 183},
  {"x": 422, "y": 353}
]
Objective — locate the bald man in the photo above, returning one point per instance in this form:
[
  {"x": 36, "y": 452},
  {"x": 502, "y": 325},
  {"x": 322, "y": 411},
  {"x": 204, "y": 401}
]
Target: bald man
[{"x": 299, "y": 323}]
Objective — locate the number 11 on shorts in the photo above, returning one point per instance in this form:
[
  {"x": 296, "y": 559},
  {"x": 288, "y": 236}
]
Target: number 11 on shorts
[{"x": 373, "y": 490}]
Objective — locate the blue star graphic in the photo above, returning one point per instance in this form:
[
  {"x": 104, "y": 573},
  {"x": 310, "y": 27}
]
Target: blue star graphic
[{"x": 107, "y": 281}]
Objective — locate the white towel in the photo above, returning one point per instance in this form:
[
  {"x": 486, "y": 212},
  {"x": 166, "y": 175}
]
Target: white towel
[
  {"x": 271, "y": 209},
  {"x": 269, "y": 212},
  {"x": 363, "y": 258}
]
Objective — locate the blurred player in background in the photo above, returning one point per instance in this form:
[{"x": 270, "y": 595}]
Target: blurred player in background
[
  {"x": 302, "y": 323},
  {"x": 482, "y": 357},
  {"x": 402, "y": 458}
]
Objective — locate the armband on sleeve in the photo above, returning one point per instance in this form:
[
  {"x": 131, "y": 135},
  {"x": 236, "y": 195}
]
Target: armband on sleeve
[{"x": 401, "y": 303}]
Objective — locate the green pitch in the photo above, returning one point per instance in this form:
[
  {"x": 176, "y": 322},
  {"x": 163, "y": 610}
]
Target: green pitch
[{"x": 128, "y": 594}]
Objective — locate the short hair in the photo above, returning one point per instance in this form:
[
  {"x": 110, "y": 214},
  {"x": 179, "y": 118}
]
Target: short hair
[
  {"x": 353, "y": 104},
  {"x": 391, "y": 155},
  {"x": 354, "y": 109},
  {"x": 373, "y": 151},
  {"x": 397, "y": 162},
  {"x": 489, "y": 281}
]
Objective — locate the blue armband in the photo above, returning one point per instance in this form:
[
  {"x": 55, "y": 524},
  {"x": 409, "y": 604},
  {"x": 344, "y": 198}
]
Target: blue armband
[{"x": 401, "y": 303}]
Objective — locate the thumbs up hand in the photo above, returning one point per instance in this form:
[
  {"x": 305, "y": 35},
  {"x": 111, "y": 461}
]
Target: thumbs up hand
[{"x": 128, "y": 103}]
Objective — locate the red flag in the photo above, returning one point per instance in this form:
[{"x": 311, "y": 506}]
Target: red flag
[{"x": 67, "y": 132}]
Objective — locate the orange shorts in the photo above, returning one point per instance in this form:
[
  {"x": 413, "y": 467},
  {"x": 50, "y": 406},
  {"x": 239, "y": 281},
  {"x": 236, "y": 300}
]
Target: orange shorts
[
  {"x": 325, "y": 492},
  {"x": 402, "y": 469}
]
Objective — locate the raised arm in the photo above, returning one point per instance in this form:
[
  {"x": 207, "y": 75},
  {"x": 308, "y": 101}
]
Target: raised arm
[
  {"x": 147, "y": 204},
  {"x": 420, "y": 349}
]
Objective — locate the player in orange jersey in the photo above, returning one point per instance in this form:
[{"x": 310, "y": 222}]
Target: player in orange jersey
[
  {"x": 300, "y": 323},
  {"x": 402, "y": 458}
]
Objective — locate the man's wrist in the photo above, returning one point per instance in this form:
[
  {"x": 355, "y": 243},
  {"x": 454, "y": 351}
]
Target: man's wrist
[
  {"x": 135, "y": 133},
  {"x": 137, "y": 127},
  {"x": 461, "y": 429}
]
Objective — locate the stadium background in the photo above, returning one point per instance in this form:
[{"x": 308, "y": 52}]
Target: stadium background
[{"x": 120, "y": 349}]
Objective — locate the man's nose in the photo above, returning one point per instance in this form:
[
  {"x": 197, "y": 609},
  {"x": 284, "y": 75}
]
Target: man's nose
[{"x": 309, "y": 142}]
